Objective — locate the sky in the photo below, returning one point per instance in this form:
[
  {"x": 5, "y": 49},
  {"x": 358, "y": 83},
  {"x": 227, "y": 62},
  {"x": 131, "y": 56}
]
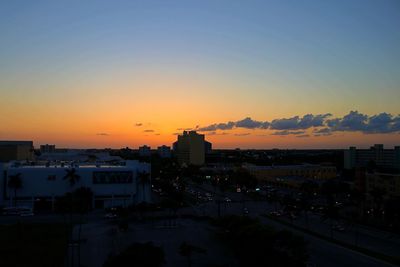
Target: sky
[{"x": 248, "y": 74}]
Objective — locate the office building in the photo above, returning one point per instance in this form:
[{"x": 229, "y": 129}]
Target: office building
[
  {"x": 376, "y": 155},
  {"x": 190, "y": 148},
  {"x": 16, "y": 150},
  {"x": 112, "y": 185},
  {"x": 291, "y": 175},
  {"x": 47, "y": 148}
]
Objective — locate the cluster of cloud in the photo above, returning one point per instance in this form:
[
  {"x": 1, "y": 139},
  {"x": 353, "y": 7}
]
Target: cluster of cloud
[{"x": 321, "y": 124}]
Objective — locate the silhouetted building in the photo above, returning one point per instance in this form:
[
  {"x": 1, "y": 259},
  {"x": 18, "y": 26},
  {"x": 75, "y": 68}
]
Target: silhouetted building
[
  {"x": 112, "y": 185},
  {"x": 164, "y": 151},
  {"x": 145, "y": 151},
  {"x": 190, "y": 148},
  {"x": 376, "y": 155},
  {"x": 16, "y": 150},
  {"x": 291, "y": 175},
  {"x": 207, "y": 147},
  {"x": 47, "y": 148}
]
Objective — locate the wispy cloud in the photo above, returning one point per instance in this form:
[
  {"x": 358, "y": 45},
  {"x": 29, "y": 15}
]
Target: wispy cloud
[
  {"x": 242, "y": 134},
  {"x": 303, "y": 136},
  {"x": 148, "y": 131},
  {"x": 138, "y": 124},
  {"x": 287, "y": 132},
  {"x": 102, "y": 134}
]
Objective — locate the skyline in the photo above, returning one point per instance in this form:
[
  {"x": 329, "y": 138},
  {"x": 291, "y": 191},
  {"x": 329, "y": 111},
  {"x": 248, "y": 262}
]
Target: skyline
[{"x": 85, "y": 74}]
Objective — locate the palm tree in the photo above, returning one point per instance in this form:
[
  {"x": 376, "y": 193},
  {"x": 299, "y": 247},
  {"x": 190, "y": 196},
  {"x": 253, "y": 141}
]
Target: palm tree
[
  {"x": 71, "y": 176},
  {"x": 15, "y": 182},
  {"x": 143, "y": 179}
]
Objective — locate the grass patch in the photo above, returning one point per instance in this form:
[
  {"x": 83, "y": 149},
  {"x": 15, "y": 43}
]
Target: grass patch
[{"x": 33, "y": 245}]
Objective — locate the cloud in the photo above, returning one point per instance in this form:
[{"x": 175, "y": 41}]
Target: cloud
[
  {"x": 353, "y": 121},
  {"x": 248, "y": 123},
  {"x": 148, "y": 131},
  {"x": 320, "y": 124},
  {"x": 138, "y": 124},
  {"x": 295, "y": 123},
  {"x": 102, "y": 134},
  {"x": 358, "y": 122},
  {"x": 303, "y": 136},
  {"x": 242, "y": 134},
  {"x": 286, "y": 132},
  {"x": 217, "y": 133},
  {"x": 217, "y": 126}
]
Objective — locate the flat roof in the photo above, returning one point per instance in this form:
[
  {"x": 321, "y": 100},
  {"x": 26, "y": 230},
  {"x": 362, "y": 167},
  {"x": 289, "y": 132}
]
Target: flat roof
[
  {"x": 5, "y": 142},
  {"x": 277, "y": 167}
]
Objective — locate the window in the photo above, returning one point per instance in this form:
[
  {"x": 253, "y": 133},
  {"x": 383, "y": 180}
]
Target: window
[
  {"x": 114, "y": 177},
  {"x": 51, "y": 178}
]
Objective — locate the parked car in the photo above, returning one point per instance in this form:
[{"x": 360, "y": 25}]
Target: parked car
[
  {"x": 110, "y": 216},
  {"x": 245, "y": 211},
  {"x": 275, "y": 213},
  {"x": 338, "y": 227}
]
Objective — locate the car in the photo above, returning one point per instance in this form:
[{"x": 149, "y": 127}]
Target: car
[
  {"x": 275, "y": 213},
  {"x": 227, "y": 199},
  {"x": 110, "y": 216},
  {"x": 338, "y": 227}
]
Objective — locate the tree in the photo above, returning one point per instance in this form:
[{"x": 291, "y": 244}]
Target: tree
[
  {"x": 15, "y": 182},
  {"x": 138, "y": 255},
  {"x": 71, "y": 176},
  {"x": 186, "y": 250},
  {"x": 143, "y": 179}
]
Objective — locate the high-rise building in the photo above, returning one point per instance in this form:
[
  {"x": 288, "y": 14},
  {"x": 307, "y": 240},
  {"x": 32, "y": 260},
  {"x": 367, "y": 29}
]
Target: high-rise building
[
  {"x": 377, "y": 155},
  {"x": 16, "y": 150},
  {"x": 207, "y": 147},
  {"x": 190, "y": 148},
  {"x": 47, "y": 148}
]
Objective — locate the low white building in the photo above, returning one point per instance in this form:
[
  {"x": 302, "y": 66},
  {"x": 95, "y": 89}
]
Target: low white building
[{"x": 111, "y": 185}]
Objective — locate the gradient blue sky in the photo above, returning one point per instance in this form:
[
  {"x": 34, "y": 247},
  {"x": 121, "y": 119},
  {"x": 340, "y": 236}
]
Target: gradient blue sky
[{"x": 225, "y": 60}]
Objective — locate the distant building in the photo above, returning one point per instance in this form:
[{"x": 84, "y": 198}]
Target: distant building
[
  {"x": 16, "y": 150},
  {"x": 207, "y": 147},
  {"x": 145, "y": 151},
  {"x": 112, "y": 185},
  {"x": 388, "y": 182},
  {"x": 47, "y": 148},
  {"x": 377, "y": 155},
  {"x": 190, "y": 148},
  {"x": 292, "y": 175},
  {"x": 164, "y": 151}
]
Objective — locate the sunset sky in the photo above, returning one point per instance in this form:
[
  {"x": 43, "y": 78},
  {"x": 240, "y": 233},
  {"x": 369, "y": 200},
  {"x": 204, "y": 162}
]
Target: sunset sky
[{"x": 249, "y": 74}]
